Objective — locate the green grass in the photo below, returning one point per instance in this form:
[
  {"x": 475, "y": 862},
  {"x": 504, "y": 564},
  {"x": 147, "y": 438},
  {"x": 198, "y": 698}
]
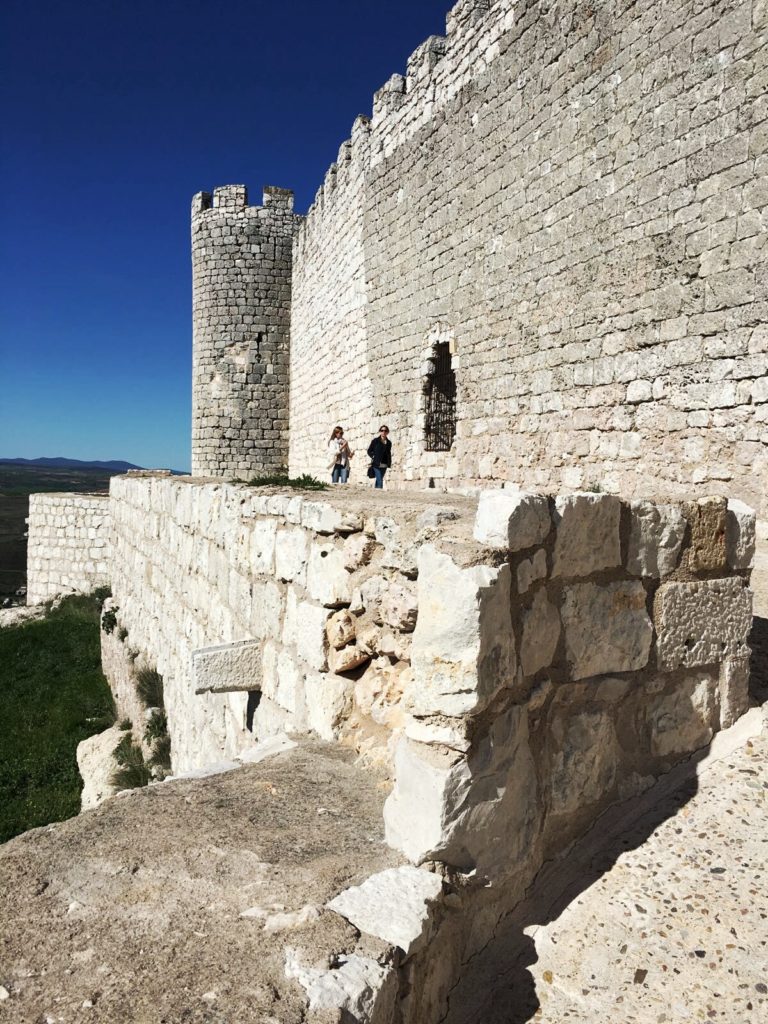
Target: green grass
[
  {"x": 149, "y": 687},
  {"x": 53, "y": 696},
  {"x": 132, "y": 771},
  {"x": 302, "y": 483}
]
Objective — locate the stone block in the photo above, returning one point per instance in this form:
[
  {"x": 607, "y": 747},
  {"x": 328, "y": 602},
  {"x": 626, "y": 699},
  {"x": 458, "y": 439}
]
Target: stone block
[
  {"x": 399, "y": 607},
  {"x": 262, "y": 545},
  {"x": 541, "y": 632},
  {"x": 329, "y": 701},
  {"x": 96, "y": 764},
  {"x": 394, "y": 905},
  {"x": 226, "y": 668},
  {"x": 684, "y": 720},
  {"x": 530, "y": 570},
  {"x": 463, "y": 647},
  {"x": 358, "y": 549},
  {"x": 291, "y": 554},
  {"x": 734, "y": 690},
  {"x": 473, "y": 812},
  {"x": 327, "y": 579},
  {"x": 740, "y": 537},
  {"x": 348, "y": 658},
  {"x": 511, "y": 520},
  {"x": 607, "y": 628},
  {"x": 701, "y": 623},
  {"x": 340, "y": 629},
  {"x": 396, "y": 554},
  {"x": 305, "y": 629},
  {"x": 585, "y": 755},
  {"x": 656, "y": 536},
  {"x": 587, "y": 534},
  {"x": 705, "y": 551},
  {"x": 326, "y": 519}
]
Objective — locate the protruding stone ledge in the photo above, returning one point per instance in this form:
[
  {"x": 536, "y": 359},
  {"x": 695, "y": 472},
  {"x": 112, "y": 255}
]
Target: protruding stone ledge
[{"x": 227, "y": 668}]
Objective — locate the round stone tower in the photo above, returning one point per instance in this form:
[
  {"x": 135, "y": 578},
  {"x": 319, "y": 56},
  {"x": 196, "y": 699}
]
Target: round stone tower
[{"x": 241, "y": 303}]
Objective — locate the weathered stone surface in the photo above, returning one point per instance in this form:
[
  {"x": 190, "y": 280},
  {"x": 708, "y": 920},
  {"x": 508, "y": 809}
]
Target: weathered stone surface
[
  {"x": 97, "y": 765},
  {"x": 734, "y": 690},
  {"x": 399, "y": 607},
  {"x": 327, "y": 580},
  {"x": 740, "y": 535},
  {"x": 325, "y": 518},
  {"x": 347, "y": 658},
  {"x": 379, "y": 691},
  {"x": 656, "y": 536},
  {"x": 707, "y": 521},
  {"x": 701, "y": 623},
  {"x": 69, "y": 546},
  {"x": 530, "y": 570},
  {"x": 393, "y": 905},
  {"x": 463, "y": 646},
  {"x": 398, "y": 552},
  {"x": 584, "y": 762},
  {"x": 340, "y": 629},
  {"x": 357, "y": 551},
  {"x": 587, "y": 534},
  {"x": 607, "y": 628},
  {"x": 291, "y": 554},
  {"x": 227, "y": 667},
  {"x": 541, "y": 632},
  {"x": 328, "y": 699},
  {"x": 304, "y": 628},
  {"x": 266, "y": 748},
  {"x": 511, "y": 520},
  {"x": 432, "y": 518},
  {"x": 358, "y": 987},
  {"x": 685, "y": 719}
]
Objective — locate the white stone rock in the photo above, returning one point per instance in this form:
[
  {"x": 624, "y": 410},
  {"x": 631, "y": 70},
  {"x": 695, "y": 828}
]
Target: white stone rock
[
  {"x": 530, "y": 570},
  {"x": 372, "y": 592},
  {"x": 362, "y": 989},
  {"x": 399, "y": 607},
  {"x": 607, "y": 628},
  {"x": 702, "y": 623},
  {"x": 685, "y": 719},
  {"x": 584, "y": 765},
  {"x": 262, "y": 546},
  {"x": 734, "y": 690},
  {"x": 358, "y": 550},
  {"x": 740, "y": 534},
  {"x": 393, "y": 905},
  {"x": 281, "y": 921},
  {"x": 639, "y": 391},
  {"x": 541, "y": 632},
  {"x": 655, "y": 538},
  {"x": 587, "y": 534},
  {"x": 327, "y": 580},
  {"x": 96, "y": 764},
  {"x": 448, "y": 732},
  {"x": 340, "y": 628},
  {"x": 511, "y": 520},
  {"x": 225, "y": 668},
  {"x": 463, "y": 649},
  {"x": 396, "y": 553},
  {"x": 478, "y": 811},
  {"x": 347, "y": 658},
  {"x": 433, "y": 517},
  {"x": 329, "y": 700},
  {"x": 323, "y": 518},
  {"x": 291, "y": 554},
  {"x": 266, "y": 748},
  {"x": 305, "y": 629}
]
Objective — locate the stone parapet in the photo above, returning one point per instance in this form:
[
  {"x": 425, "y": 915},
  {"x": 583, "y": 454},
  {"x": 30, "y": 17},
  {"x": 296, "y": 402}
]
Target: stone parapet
[{"x": 68, "y": 545}]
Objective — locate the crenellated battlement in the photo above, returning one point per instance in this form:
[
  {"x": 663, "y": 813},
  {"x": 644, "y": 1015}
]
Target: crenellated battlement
[{"x": 234, "y": 199}]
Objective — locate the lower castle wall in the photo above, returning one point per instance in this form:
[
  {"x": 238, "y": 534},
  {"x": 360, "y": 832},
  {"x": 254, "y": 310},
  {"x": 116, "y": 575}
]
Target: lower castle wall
[{"x": 68, "y": 545}]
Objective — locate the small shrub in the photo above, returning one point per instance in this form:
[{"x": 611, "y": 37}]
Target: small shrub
[
  {"x": 161, "y": 754},
  {"x": 132, "y": 771},
  {"x": 122, "y": 633},
  {"x": 149, "y": 687},
  {"x": 594, "y": 487},
  {"x": 157, "y": 727},
  {"x": 302, "y": 483},
  {"x": 109, "y": 620},
  {"x": 101, "y": 594},
  {"x": 125, "y": 725}
]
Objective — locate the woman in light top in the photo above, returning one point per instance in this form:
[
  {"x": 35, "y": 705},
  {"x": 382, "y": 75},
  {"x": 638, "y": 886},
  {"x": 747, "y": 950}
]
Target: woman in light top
[{"x": 339, "y": 454}]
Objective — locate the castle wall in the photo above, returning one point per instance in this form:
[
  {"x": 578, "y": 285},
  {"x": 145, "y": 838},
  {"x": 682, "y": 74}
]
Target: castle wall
[
  {"x": 241, "y": 273},
  {"x": 68, "y": 545},
  {"x": 573, "y": 198}
]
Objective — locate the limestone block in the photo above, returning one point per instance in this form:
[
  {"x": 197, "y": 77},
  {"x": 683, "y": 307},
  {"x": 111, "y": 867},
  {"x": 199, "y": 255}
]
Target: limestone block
[
  {"x": 347, "y": 658},
  {"x": 291, "y": 553},
  {"x": 541, "y": 632},
  {"x": 357, "y": 551},
  {"x": 740, "y": 540},
  {"x": 707, "y": 522},
  {"x": 448, "y": 732},
  {"x": 477, "y": 811},
  {"x": 305, "y": 629},
  {"x": 379, "y": 692},
  {"x": 224, "y": 668},
  {"x": 358, "y": 989},
  {"x": 587, "y": 534},
  {"x": 262, "y": 545},
  {"x": 530, "y": 570},
  {"x": 656, "y": 536},
  {"x": 327, "y": 580},
  {"x": 396, "y": 553},
  {"x": 607, "y": 628},
  {"x": 323, "y": 518},
  {"x": 432, "y": 518},
  {"x": 463, "y": 647},
  {"x": 96, "y": 765},
  {"x": 584, "y": 760},
  {"x": 393, "y": 905},
  {"x": 267, "y": 748},
  {"x": 340, "y": 629},
  {"x": 329, "y": 701},
  {"x": 511, "y": 520},
  {"x": 372, "y": 592},
  {"x": 684, "y": 720},
  {"x": 266, "y": 611},
  {"x": 399, "y": 607},
  {"x": 270, "y": 719},
  {"x": 734, "y": 690},
  {"x": 289, "y": 690},
  {"x": 701, "y": 623}
]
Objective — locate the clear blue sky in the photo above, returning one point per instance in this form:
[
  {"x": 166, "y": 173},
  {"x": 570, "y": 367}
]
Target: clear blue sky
[{"x": 115, "y": 112}]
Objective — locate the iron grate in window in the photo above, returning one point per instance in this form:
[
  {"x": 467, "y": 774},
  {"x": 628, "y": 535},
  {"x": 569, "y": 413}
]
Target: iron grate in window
[{"x": 440, "y": 425}]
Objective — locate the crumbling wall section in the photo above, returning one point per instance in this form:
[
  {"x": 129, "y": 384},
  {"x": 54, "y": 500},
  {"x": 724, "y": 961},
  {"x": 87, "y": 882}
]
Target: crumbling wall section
[{"x": 68, "y": 545}]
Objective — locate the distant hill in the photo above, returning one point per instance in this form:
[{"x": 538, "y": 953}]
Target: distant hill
[{"x": 60, "y": 463}]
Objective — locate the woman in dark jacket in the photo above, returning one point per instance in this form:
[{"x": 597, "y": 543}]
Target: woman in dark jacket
[{"x": 380, "y": 453}]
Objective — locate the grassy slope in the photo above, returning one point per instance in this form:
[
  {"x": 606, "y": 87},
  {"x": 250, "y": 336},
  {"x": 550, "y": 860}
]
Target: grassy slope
[{"x": 53, "y": 696}]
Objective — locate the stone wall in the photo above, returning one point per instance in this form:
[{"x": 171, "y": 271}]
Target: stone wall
[
  {"x": 572, "y": 197},
  {"x": 241, "y": 272},
  {"x": 68, "y": 545}
]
